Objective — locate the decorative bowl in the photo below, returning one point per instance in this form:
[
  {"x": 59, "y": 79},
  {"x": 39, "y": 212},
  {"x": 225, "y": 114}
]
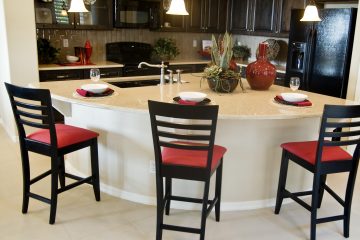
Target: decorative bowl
[
  {"x": 192, "y": 96},
  {"x": 72, "y": 59},
  {"x": 294, "y": 97},
  {"x": 95, "y": 88}
]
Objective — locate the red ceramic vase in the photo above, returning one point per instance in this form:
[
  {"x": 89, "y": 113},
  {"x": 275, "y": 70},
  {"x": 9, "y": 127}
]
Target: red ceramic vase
[{"x": 261, "y": 73}]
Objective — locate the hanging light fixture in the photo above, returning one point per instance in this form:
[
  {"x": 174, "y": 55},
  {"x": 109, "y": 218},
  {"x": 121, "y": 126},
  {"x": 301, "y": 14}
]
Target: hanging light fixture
[
  {"x": 77, "y": 6},
  {"x": 311, "y": 13},
  {"x": 63, "y": 10},
  {"x": 177, "y": 7}
]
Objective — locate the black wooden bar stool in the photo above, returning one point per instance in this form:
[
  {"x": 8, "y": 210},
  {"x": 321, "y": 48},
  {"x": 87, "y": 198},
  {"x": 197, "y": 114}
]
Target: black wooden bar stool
[
  {"x": 322, "y": 157},
  {"x": 184, "y": 148},
  {"x": 33, "y": 108}
]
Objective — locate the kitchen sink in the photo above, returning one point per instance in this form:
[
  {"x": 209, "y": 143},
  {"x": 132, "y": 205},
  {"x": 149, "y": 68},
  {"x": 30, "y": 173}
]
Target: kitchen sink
[{"x": 137, "y": 83}]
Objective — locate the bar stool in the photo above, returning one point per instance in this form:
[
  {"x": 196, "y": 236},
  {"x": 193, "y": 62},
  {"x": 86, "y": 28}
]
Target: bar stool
[
  {"x": 33, "y": 108},
  {"x": 183, "y": 138},
  {"x": 322, "y": 157}
]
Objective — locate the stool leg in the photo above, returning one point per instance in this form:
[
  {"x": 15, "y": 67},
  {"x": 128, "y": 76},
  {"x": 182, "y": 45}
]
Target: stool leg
[
  {"x": 204, "y": 209},
  {"x": 322, "y": 189},
  {"x": 159, "y": 206},
  {"x": 95, "y": 169},
  {"x": 62, "y": 171},
  {"x": 282, "y": 181},
  {"x": 26, "y": 179},
  {"x": 348, "y": 200},
  {"x": 218, "y": 190},
  {"x": 314, "y": 205},
  {"x": 54, "y": 188},
  {"x": 168, "y": 187}
]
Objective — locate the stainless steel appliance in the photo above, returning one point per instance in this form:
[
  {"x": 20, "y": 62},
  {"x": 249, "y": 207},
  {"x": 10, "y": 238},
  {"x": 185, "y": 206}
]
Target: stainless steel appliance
[{"x": 320, "y": 53}]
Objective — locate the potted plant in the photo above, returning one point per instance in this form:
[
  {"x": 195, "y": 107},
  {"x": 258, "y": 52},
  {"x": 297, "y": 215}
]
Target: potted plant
[
  {"x": 46, "y": 52},
  {"x": 222, "y": 74},
  {"x": 241, "y": 52},
  {"x": 165, "y": 49}
]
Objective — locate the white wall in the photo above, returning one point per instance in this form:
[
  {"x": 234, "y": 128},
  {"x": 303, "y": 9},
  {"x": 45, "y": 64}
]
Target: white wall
[{"x": 18, "y": 52}]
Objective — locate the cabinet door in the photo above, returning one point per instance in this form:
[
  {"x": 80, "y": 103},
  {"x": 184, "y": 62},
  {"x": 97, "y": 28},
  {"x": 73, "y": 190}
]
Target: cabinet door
[
  {"x": 285, "y": 7},
  {"x": 196, "y": 19},
  {"x": 215, "y": 15},
  {"x": 239, "y": 12},
  {"x": 50, "y": 15},
  {"x": 264, "y": 15},
  {"x": 60, "y": 75},
  {"x": 99, "y": 15}
]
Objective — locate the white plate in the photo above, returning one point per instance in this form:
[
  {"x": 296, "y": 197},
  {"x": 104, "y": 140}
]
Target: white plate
[
  {"x": 294, "y": 97},
  {"x": 192, "y": 96},
  {"x": 95, "y": 87}
]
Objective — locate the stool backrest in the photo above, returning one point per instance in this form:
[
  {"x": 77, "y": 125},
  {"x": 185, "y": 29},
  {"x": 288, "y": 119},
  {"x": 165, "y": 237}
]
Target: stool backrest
[
  {"x": 174, "y": 124},
  {"x": 340, "y": 126},
  {"x": 33, "y": 108}
]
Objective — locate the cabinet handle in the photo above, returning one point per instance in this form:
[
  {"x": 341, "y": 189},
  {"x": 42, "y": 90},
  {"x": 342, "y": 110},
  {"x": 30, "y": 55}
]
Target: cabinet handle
[{"x": 62, "y": 76}]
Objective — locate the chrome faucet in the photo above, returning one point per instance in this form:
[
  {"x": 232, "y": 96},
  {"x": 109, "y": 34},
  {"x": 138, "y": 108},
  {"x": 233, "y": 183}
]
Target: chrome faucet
[{"x": 162, "y": 67}]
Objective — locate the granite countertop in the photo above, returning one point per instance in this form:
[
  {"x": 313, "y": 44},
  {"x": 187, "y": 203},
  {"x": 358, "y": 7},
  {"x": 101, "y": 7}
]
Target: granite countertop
[{"x": 237, "y": 105}]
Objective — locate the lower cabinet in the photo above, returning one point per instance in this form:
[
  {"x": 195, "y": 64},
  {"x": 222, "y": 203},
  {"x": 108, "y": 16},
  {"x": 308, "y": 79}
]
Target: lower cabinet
[{"x": 75, "y": 74}]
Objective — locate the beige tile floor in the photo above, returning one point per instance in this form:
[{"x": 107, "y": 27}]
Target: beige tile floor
[{"x": 81, "y": 217}]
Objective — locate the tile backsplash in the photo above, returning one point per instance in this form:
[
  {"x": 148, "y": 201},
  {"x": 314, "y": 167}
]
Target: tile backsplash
[{"x": 98, "y": 39}]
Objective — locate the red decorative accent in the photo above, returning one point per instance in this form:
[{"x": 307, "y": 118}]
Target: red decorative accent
[
  {"x": 261, "y": 73},
  {"x": 307, "y": 151},
  {"x": 88, "y": 51},
  {"x": 85, "y": 93},
  {"x": 184, "y": 102},
  {"x": 191, "y": 158},
  {"x": 66, "y": 135}
]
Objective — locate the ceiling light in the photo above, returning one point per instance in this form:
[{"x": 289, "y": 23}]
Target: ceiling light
[
  {"x": 177, "y": 7},
  {"x": 311, "y": 13},
  {"x": 77, "y": 6}
]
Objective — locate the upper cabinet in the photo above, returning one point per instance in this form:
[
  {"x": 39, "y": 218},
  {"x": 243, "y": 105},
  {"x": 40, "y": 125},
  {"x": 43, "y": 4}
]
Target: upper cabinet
[
  {"x": 262, "y": 17},
  {"x": 207, "y": 15},
  {"x": 53, "y": 14}
]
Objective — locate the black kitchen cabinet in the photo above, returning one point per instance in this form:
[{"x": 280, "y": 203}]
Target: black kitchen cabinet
[
  {"x": 207, "y": 16},
  {"x": 284, "y": 8},
  {"x": 76, "y": 74},
  {"x": 169, "y": 23},
  {"x": 188, "y": 68},
  {"x": 48, "y": 15},
  {"x": 262, "y": 17}
]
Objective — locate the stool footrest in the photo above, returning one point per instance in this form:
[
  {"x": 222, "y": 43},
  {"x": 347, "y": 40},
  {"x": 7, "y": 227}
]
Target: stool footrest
[
  {"x": 41, "y": 176},
  {"x": 40, "y": 198},
  {"x": 330, "y": 219},
  {"x": 334, "y": 195},
  {"x": 181, "y": 229},
  {"x": 187, "y": 199},
  {"x": 75, "y": 184},
  {"x": 294, "y": 196}
]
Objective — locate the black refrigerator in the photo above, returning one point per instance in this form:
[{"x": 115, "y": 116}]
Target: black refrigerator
[{"x": 319, "y": 53}]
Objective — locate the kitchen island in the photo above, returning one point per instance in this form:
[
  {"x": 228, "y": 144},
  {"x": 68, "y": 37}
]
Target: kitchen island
[{"x": 251, "y": 125}]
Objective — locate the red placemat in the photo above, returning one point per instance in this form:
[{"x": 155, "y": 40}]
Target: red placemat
[
  {"x": 305, "y": 103},
  {"x": 183, "y": 102},
  {"x": 85, "y": 93},
  {"x": 76, "y": 64}
]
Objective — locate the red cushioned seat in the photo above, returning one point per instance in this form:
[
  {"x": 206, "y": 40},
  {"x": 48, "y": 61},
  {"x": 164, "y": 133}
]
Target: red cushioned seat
[
  {"x": 191, "y": 158},
  {"x": 307, "y": 151},
  {"x": 66, "y": 135}
]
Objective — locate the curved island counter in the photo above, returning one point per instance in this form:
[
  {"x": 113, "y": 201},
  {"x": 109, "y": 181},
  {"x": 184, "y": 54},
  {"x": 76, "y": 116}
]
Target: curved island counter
[{"x": 251, "y": 126}]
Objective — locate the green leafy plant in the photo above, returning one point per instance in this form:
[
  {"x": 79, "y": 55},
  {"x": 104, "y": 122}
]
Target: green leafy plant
[
  {"x": 165, "y": 48},
  {"x": 222, "y": 73},
  {"x": 46, "y": 52},
  {"x": 241, "y": 52}
]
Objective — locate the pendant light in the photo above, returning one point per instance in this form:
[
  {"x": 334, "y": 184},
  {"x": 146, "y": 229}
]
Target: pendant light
[
  {"x": 311, "y": 13},
  {"x": 177, "y": 7},
  {"x": 77, "y": 6}
]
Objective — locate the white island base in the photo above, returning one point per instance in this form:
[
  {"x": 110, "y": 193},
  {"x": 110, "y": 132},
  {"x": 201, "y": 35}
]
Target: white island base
[{"x": 250, "y": 125}]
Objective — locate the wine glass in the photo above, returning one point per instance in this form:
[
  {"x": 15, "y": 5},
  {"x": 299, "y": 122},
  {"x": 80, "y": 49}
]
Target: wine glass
[
  {"x": 294, "y": 83},
  {"x": 95, "y": 74}
]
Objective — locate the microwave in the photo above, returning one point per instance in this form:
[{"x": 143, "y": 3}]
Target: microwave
[{"x": 137, "y": 13}]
